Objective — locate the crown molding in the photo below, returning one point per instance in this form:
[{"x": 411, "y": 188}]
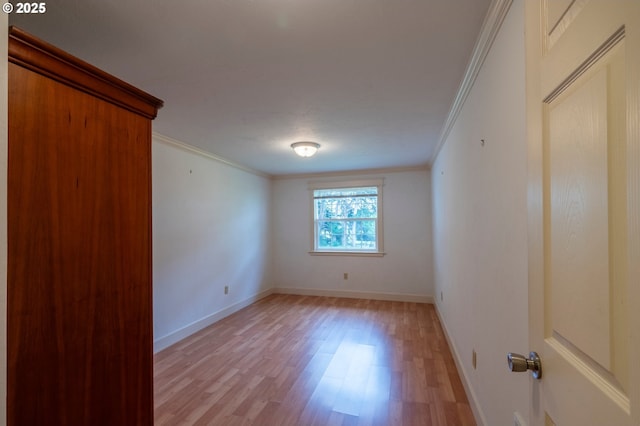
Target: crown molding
[
  {"x": 490, "y": 28},
  {"x": 192, "y": 149}
]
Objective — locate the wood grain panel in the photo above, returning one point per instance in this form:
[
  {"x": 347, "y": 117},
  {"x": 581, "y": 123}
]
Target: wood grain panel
[
  {"x": 579, "y": 218},
  {"x": 79, "y": 258}
]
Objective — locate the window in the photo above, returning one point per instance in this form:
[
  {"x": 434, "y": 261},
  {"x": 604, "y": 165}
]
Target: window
[{"x": 348, "y": 217}]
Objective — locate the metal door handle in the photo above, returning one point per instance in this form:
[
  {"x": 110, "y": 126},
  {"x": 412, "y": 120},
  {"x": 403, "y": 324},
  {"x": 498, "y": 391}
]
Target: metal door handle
[{"x": 519, "y": 363}]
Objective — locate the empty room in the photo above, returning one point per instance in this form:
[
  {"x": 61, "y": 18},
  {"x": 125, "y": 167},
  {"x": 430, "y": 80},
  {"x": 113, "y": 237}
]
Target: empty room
[{"x": 320, "y": 212}]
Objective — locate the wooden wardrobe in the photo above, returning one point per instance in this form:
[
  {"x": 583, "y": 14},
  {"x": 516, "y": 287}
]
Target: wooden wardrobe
[{"x": 79, "y": 326}]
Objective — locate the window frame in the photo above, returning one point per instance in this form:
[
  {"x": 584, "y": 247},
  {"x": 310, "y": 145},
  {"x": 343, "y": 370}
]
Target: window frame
[{"x": 338, "y": 185}]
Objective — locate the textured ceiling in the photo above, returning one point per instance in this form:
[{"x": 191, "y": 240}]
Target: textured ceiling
[{"x": 372, "y": 81}]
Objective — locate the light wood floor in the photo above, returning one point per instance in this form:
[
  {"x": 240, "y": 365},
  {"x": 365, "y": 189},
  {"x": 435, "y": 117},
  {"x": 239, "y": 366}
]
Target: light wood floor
[{"x": 299, "y": 360}]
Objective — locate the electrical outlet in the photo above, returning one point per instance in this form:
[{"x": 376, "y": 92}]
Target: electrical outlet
[
  {"x": 226, "y": 289},
  {"x": 346, "y": 276},
  {"x": 473, "y": 359}
]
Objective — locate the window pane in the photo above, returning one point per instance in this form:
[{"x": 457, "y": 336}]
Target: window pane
[
  {"x": 346, "y": 219},
  {"x": 347, "y": 235},
  {"x": 362, "y": 234},
  {"x": 343, "y": 208},
  {"x": 345, "y": 192},
  {"x": 330, "y": 235}
]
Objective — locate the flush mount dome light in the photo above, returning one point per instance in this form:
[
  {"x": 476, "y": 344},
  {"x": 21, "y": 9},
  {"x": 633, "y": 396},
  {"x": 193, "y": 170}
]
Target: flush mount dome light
[{"x": 305, "y": 149}]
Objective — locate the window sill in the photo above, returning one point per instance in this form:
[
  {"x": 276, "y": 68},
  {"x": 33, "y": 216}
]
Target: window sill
[{"x": 348, "y": 253}]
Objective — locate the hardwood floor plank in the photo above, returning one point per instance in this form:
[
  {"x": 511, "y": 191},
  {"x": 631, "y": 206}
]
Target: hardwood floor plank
[
  {"x": 417, "y": 414},
  {"x": 321, "y": 402},
  {"x": 375, "y": 410},
  {"x": 303, "y": 360}
]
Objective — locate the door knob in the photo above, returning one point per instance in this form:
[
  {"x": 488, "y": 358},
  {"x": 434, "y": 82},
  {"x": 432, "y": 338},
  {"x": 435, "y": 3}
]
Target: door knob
[{"x": 519, "y": 363}]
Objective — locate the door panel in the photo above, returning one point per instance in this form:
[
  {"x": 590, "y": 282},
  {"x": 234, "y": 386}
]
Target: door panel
[
  {"x": 578, "y": 227},
  {"x": 558, "y": 16},
  {"x": 585, "y": 258}
]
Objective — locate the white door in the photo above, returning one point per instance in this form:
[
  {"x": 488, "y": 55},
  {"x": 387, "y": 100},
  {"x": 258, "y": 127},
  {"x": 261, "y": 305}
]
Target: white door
[{"x": 583, "y": 95}]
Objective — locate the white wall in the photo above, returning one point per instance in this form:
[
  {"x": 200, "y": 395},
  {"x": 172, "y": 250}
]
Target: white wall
[
  {"x": 480, "y": 229},
  {"x": 210, "y": 230},
  {"x": 402, "y": 273},
  {"x": 4, "y": 28}
]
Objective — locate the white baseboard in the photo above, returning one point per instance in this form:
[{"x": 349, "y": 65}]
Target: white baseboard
[
  {"x": 473, "y": 400},
  {"x": 174, "y": 337},
  {"x": 396, "y": 297}
]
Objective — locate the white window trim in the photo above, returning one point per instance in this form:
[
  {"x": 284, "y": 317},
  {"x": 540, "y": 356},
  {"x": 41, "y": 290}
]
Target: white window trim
[{"x": 379, "y": 183}]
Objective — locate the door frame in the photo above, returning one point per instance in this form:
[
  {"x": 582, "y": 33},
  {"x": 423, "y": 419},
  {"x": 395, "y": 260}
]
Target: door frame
[{"x": 534, "y": 117}]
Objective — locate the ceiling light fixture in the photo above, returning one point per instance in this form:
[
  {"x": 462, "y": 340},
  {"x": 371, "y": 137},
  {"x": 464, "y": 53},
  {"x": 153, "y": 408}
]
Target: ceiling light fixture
[{"x": 305, "y": 149}]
